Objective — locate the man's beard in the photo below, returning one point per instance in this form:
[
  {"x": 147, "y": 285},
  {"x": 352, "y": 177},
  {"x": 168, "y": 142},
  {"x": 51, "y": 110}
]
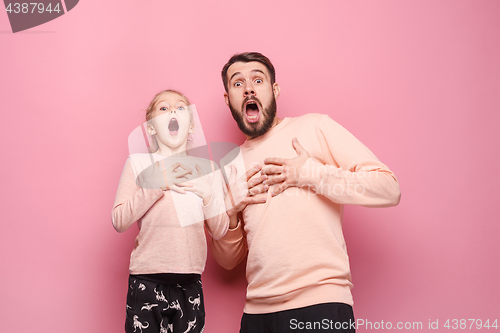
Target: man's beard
[{"x": 251, "y": 130}]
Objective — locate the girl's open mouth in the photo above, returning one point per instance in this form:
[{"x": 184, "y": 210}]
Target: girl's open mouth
[{"x": 173, "y": 126}]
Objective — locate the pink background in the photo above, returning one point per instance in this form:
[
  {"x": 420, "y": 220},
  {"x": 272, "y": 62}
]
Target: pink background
[{"x": 417, "y": 81}]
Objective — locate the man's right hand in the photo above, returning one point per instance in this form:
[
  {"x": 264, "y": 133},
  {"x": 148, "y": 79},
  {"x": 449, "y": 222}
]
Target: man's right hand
[{"x": 246, "y": 190}]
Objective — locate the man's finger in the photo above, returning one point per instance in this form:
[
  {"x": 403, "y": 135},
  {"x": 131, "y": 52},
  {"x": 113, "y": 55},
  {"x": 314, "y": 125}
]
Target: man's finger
[
  {"x": 253, "y": 171},
  {"x": 257, "y": 199},
  {"x": 256, "y": 180},
  {"x": 275, "y": 160},
  {"x": 258, "y": 189},
  {"x": 272, "y": 180},
  {"x": 232, "y": 176},
  {"x": 277, "y": 189},
  {"x": 272, "y": 169},
  {"x": 298, "y": 148}
]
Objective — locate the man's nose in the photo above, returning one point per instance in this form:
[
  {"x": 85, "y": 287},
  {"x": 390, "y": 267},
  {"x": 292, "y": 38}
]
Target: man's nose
[{"x": 249, "y": 89}]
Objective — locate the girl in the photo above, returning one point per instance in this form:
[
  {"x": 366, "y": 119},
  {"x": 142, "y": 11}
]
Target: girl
[{"x": 173, "y": 197}]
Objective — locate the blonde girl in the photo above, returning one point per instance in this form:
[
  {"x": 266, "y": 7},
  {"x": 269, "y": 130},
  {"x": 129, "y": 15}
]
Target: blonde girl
[{"x": 174, "y": 198}]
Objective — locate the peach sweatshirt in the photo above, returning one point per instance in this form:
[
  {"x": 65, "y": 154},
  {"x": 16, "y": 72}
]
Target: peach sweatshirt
[
  {"x": 297, "y": 255},
  {"x": 163, "y": 245}
]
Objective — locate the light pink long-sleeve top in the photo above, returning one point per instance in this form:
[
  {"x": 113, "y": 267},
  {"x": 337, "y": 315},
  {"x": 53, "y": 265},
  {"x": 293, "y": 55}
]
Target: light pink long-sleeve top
[
  {"x": 296, "y": 251},
  {"x": 163, "y": 245}
]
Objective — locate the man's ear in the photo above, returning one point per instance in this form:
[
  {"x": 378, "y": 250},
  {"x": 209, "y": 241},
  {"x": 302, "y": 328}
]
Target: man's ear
[
  {"x": 276, "y": 90},
  {"x": 226, "y": 98}
]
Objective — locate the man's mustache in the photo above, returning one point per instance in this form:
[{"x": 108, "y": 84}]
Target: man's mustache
[{"x": 251, "y": 98}]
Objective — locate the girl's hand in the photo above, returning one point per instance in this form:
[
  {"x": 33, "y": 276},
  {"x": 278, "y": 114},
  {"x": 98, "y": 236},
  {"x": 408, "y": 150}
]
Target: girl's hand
[
  {"x": 199, "y": 185},
  {"x": 170, "y": 178}
]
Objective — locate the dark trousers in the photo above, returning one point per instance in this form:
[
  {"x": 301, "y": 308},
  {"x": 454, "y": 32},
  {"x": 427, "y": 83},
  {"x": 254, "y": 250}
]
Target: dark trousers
[
  {"x": 165, "y": 303},
  {"x": 327, "y": 317}
]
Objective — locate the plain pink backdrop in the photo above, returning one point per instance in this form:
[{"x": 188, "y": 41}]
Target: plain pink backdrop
[{"x": 417, "y": 81}]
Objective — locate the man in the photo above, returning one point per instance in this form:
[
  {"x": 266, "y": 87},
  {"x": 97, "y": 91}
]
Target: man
[{"x": 302, "y": 171}]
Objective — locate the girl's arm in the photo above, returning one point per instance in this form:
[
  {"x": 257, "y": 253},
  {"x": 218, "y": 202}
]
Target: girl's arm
[
  {"x": 131, "y": 201},
  {"x": 216, "y": 219}
]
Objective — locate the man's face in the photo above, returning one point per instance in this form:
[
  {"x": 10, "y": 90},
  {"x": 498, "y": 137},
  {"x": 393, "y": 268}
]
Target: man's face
[{"x": 251, "y": 97}]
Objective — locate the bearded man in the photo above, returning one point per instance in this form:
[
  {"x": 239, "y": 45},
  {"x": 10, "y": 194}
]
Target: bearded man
[{"x": 301, "y": 173}]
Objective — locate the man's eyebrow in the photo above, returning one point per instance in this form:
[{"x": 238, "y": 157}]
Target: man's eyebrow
[
  {"x": 253, "y": 71},
  {"x": 234, "y": 74}
]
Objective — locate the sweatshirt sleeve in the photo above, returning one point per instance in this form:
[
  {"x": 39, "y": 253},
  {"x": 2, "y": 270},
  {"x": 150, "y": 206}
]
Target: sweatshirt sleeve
[
  {"x": 231, "y": 249},
  {"x": 216, "y": 219},
  {"x": 131, "y": 201},
  {"x": 359, "y": 178}
]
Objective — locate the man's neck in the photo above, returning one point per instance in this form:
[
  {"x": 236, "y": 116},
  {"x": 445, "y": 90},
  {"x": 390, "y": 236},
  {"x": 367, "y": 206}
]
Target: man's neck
[{"x": 276, "y": 121}]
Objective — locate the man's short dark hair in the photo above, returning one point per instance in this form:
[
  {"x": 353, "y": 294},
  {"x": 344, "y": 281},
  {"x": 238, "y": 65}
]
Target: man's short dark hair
[{"x": 248, "y": 57}]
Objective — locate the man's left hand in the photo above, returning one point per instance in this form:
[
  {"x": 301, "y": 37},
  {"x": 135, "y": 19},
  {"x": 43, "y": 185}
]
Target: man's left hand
[{"x": 282, "y": 172}]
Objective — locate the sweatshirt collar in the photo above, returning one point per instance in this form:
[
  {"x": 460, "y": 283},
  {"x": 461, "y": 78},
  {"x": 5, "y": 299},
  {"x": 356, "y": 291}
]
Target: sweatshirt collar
[{"x": 265, "y": 136}]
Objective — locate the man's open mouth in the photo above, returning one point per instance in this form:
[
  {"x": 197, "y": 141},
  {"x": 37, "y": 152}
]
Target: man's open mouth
[
  {"x": 173, "y": 126},
  {"x": 252, "y": 111}
]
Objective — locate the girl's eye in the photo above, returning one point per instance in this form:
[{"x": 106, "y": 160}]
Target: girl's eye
[
  {"x": 180, "y": 108},
  {"x": 163, "y": 109}
]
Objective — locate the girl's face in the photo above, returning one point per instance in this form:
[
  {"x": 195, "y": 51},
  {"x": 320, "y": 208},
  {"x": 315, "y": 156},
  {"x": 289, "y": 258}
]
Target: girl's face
[{"x": 171, "y": 123}]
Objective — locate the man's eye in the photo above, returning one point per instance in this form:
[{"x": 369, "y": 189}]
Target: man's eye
[
  {"x": 237, "y": 84},
  {"x": 258, "y": 81}
]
